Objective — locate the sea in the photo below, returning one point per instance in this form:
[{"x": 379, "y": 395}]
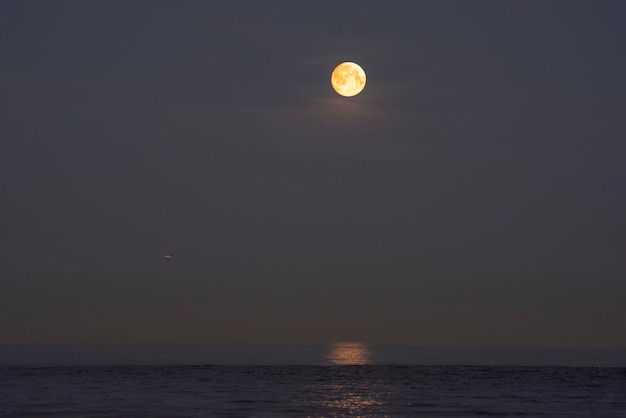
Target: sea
[{"x": 342, "y": 379}]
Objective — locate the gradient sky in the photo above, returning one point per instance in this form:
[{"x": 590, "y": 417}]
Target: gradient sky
[{"x": 474, "y": 194}]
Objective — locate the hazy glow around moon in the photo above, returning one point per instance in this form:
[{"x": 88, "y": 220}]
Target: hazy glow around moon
[{"x": 348, "y": 79}]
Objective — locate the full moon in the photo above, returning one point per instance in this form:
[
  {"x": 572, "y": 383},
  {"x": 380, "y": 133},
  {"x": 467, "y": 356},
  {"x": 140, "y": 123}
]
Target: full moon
[{"x": 348, "y": 79}]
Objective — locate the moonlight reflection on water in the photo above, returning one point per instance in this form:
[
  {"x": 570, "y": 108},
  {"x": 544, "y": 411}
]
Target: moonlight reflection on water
[
  {"x": 350, "y": 353},
  {"x": 351, "y": 398}
]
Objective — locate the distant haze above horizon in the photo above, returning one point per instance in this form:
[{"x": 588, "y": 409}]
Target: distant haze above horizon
[{"x": 472, "y": 195}]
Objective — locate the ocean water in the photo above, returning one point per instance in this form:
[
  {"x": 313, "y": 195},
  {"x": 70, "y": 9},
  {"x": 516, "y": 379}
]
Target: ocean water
[{"x": 337, "y": 380}]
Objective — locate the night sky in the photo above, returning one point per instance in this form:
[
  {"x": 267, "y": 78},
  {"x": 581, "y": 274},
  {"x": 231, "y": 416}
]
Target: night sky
[{"x": 474, "y": 194}]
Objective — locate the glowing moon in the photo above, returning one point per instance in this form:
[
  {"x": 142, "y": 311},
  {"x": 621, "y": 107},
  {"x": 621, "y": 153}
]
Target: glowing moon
[{"x": 348, "y": 79}]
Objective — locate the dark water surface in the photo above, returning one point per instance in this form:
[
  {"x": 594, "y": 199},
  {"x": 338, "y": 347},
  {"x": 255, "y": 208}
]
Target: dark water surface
[{"x": 333, "y": 381}]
